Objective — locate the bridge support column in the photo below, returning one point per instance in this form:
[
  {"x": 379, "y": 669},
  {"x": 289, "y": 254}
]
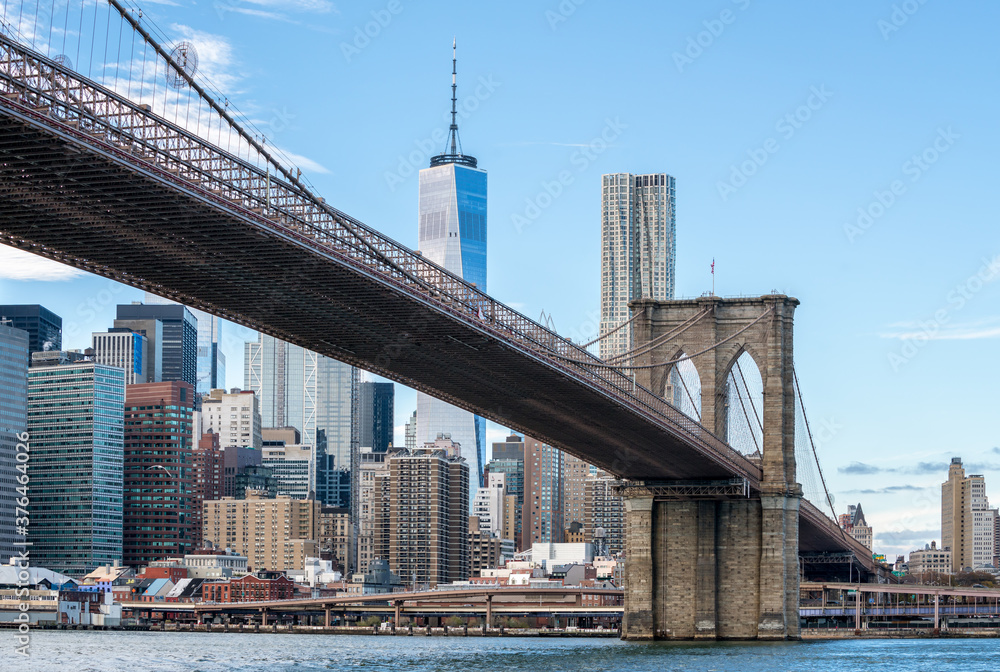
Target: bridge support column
[
  {"x": 857, "y": 611},
  {"x": 705, "y": 593},
  {"x": 779, "y": 567},
  {"x": 694, "y": 570},
  {"x": 326, "y": 617},
  {"x": 489, "y": 612},
  {"x": 937, "y": 614},
  {"x": 637, "y": 621}
]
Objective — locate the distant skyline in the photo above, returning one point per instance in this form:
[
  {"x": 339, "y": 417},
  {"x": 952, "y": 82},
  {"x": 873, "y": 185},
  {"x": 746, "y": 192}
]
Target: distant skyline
[{"x": 841, "y": 153}]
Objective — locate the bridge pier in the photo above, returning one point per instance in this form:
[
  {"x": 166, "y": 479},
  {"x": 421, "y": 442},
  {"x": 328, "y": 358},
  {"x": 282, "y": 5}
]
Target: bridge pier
[
  {"x": 711, "y": 569},
  {"x": 779, "y": 567},
  {"x": 637, "y": 621}
]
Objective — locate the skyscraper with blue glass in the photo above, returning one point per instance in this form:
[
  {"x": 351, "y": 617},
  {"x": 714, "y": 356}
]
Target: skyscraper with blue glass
[{"x": 452, "y": 233}]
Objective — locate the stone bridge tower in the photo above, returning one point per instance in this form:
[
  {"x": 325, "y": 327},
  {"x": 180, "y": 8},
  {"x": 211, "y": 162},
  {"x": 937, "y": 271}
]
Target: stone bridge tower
[{"x": 714, "y": 565}]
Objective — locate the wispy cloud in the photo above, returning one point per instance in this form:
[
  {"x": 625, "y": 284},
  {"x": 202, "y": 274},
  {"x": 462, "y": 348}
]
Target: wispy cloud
[
  {"x": 917, "y": 469},
  {"x": 860, "y": 469},
  {"x": 217, "y": 64},
  {"x": 275, "y": 10},
  {"x": 887, "y": 490},
  {"x": 968, "y": 331},
  {"x": 305, "y": 163},
  {"x": 262, "y": 14},
  {"x": 19, "y": 265},
  {"x": 907, "y": 537},
  {"x": 216, "y": 60},
  {"x": 531, "y": 143},
  {"x": 307, "y": 6}
]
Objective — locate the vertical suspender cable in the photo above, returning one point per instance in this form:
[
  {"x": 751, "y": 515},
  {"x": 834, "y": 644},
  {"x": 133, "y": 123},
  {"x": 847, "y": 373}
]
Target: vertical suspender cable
[
  {"x": 104, "y": 65},
  {"x": 93, "y": 37},
  {"x": 52, "y": 21},
  {"x": 131, "y": 64},
  {"x": 118, "y": 54},
  {"x": 65, "y": 31},
  {"x": 142, "y": 73},
  {"x": 34, "y": 26}
]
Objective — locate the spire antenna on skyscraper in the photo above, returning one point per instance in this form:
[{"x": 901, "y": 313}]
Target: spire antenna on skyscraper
[
  {"x": 454, "y": 94},
  {"x": 453, "y": 147}
]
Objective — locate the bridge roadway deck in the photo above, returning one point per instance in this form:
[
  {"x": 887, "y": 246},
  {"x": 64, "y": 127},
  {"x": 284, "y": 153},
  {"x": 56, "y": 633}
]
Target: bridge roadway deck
[{"x": 97, "y": 182}]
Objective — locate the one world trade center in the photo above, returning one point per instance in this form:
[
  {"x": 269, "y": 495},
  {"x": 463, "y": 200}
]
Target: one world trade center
[{"x": 452, "y": 234}]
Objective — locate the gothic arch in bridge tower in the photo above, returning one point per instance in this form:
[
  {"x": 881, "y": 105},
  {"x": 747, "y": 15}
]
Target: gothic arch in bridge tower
[
  {"x": 741, "y": 403},
  {"x": 710, "y": 565},
  {"x": 680, "y": 385}
]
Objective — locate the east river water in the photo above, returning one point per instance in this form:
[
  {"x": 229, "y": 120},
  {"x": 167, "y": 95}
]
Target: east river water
[{"x": 85, "y": 651}]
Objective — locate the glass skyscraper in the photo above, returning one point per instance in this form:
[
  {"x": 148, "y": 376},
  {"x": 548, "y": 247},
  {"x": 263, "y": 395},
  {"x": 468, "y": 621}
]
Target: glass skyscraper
[
  {"x": 43, "y": 326},
  {"x": 376, "y": 406},
  {"x": 452, "y": 234},
  {"x": 211, "y": 360},
  {"x": 314, "y": 394},
  {"x": 174, "y": 342},
  {"x": 638, "y": 249},
  {"x": 75, "y": 419},
  {"x": 13, "y": 421}
]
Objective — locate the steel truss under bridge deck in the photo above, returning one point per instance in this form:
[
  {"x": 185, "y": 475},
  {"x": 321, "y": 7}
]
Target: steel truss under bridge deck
[{"x": 734, "y": 488}]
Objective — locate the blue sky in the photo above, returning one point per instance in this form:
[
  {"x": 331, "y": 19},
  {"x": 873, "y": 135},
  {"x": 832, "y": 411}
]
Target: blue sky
[{"x": 840, "y": 152}]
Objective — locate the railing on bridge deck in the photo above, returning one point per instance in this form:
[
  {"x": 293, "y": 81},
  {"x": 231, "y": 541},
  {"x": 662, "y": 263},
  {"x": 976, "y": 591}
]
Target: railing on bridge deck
[{"x": 79, "y": 109}]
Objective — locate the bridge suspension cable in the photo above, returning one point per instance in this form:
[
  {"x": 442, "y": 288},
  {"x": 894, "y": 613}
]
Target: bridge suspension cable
[
  {"x": 293, "y": 178},
  {"x": 622, "y": 367},
  {"x": 613, "y": 331},
  {"x": 812, "y": 445},
  {"x": 646, "y": 347}
]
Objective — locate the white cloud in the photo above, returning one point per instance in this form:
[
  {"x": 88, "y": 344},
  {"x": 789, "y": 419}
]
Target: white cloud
[
  {"x": 968, "y": 331},
  {"x": 272, "y": 9},
  {"x": 215, "y": 57},
  {"x": 218, "y": 66},
  {"x": 19, "y": 265},
  {"x": 529, "y": 143},
  {"x": 304, "y": 162},
  {"x": 260, "y": 14},
  {"x": 312, "y": 6}
]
